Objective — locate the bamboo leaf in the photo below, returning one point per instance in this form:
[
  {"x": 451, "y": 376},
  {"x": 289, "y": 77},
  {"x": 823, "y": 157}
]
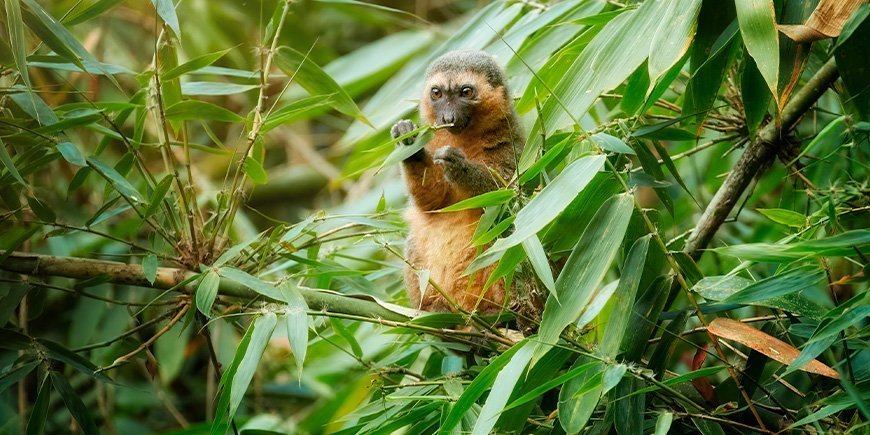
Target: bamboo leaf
[
  {"x": 785, "y": 217},
  {"x": 791, "y": 281},
  {"x": 772, "y": 347},
  {"x": 116, "y": 180},
  {"x": 663, "y": 423},
  {"x": 625, "y": 294},
  {"x": 9, "y": 164},
  {"x": 251, "y": 282},
  {"x": 296, "y": 316},
  {"x": 166, "y": 10},
  {"x": 75, "y": 405},
  {"x": 194, "y": 64},
  {"x": 547, "y": 204},
  {"x": 149, "y": 267},
  {"x": 502, "y": 388},
  {"x": 71, "y": 153},
  {"x": 580, "y": 395},
  {"x": 495, "y": 197},
  {"x": 540, "y": 263},
  {"x": 758, "y": 28},
  {"x": 39, "y": 413},
  {"x": 207, "y": 291},
  {"x": 478, "y": 386},
  {"x": 843, "y": 244},
  {"x": 260, "y": 333},
  {"x": 254, "y": 170},
  {"x": 94, "y": 10},
  {"x": 315, "y": 80},
  {"x": 157, "y": 195},
  {"x": 611, "y": 143},
  {"x": 200, "y": 110},
  {"x": 586, "y": 267},
  {"x": 17, "y": 40},
  {"x": 671, "y": 42}
]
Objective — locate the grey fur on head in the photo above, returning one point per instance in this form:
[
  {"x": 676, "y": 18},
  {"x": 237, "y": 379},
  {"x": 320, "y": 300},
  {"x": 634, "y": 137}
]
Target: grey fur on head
[{"x": 469, "y": 60}]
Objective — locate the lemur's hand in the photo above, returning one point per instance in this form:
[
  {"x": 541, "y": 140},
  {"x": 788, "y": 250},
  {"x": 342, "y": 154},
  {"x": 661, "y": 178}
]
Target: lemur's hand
[
  {"x": 452, "y": 159},
  {"x": 402, "y": 128}
]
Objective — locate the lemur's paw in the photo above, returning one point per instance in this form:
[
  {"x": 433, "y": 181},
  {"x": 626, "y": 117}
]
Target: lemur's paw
[
  {"x": 402, "y": 128},
  {"x": 448, "y": 156}
]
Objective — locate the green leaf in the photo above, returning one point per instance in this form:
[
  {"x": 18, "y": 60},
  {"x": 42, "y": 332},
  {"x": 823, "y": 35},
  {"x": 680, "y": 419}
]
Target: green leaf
[
  {"x": 547, "y": 204},
  {"x": 755, "y": 94},
  {"x": 200, "y": 110},
  {"x": 166, "y": 10},
  {"x": 301, "y": 69},
  {"x": 555, "y": 154},
  {"x": 237, "y": 249},
  {"x": 94, "y": 10},
  {"x": 495, "y": 197},
  {"x": 663, "y": 423},
  {"x": 157, "y": 195},
  {"x": 840, "y": 245},
  {"x": 59, "y": 39},
  {"x": 478, "y": 386},
  {"x": 15, "y": 26},
  {"x": 295, "y": 110},
  {"x": 717, "y": 288},
  {"x": 540, "y": 263},
  {"x": 502, "y": 388},
  {"x": 790, "y": 281},
  {"x": 401, "y": 152},
  {"x": 9, "y": 164},
  {"x": 348, "y": 337},
  {"x": 75, "y": 405},
  {"x": 586, "y": 267},
  {"x": 40, "y": 209},
  {"x": 296, "y": 316},
  {"x": 254, "y": 170},
  {"x": 149, "y": 267},
  {"x": 620, "y": 317},
  {"x": 579, "y": 396},
  {"x": 785, "y": 217},
  {"x": 611, "y": 143},
  {"x": 609, "y": 59},
  {"x": 194, "y": 64},
  {"x": 215, "y": 88},
  {"x": 16, "y": 373},
  {"x": 116, "y": 180},
  {"x": 549, "y": 385},
  {"x": 671, "y": 42},
  {"x": 251, "y": 282},
  {"x": 758, "y": 28},
  {"x": 71, "y": 153},
  {"x": 261, "y": 332},
  {"x": 39, "y": 412},
  {"x": 628, "y": 412},
  {"x": 207, "y": 291}
]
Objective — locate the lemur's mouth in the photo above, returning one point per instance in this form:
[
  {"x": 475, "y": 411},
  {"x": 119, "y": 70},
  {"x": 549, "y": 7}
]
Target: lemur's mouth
[{"x": 458, "y": 126}]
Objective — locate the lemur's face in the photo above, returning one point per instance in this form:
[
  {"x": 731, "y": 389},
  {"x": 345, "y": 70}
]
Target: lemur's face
[{"x": 456, "y": 98}]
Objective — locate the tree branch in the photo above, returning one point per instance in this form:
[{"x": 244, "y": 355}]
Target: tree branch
[
  {"x": 758, "y": 154},
  {"x": 167, "y": 278}
]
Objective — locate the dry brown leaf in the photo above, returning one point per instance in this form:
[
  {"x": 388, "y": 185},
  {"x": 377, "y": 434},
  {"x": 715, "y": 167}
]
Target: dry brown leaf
[
  {"x": 826, "y": 21},
  {"x": 771, "y": 347}
]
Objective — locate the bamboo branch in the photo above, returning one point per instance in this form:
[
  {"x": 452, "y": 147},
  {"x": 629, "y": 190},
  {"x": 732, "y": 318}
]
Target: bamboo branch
[
  {"x": 757, "y": 156},
  {"x": 168, "y": 278}
]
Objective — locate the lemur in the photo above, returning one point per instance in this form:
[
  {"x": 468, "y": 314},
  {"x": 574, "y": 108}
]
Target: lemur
[{"x": 476, "y": 153}]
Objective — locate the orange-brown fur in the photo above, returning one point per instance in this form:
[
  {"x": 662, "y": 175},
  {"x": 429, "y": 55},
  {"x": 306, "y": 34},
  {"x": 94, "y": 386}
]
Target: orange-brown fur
[{"x": 442, "y": 242}]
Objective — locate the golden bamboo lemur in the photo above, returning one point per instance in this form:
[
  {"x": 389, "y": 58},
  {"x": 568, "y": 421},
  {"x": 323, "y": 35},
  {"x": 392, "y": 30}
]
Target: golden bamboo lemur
[{"x": 468, "y": 90}]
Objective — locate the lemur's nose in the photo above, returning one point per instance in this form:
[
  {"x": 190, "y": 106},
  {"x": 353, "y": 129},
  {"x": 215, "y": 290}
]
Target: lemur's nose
[{"x": 447, "y": 119}]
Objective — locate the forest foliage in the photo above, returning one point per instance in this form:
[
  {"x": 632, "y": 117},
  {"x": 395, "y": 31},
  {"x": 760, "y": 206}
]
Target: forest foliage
[{"x": 202, "y": 231}]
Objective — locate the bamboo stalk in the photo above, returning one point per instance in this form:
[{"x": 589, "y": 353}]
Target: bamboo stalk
[
  {"x": 758, "y": 154},
  {"x": 168, "y": 278}
]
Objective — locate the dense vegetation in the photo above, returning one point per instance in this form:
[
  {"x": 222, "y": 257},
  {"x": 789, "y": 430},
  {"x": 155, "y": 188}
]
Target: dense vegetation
[{"x": 201, "y": 219}]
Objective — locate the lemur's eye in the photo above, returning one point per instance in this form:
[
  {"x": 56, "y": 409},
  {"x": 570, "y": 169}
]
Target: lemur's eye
[
  {"x": 467, "y": 92},
  {"x": 435, "y": 93}
]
